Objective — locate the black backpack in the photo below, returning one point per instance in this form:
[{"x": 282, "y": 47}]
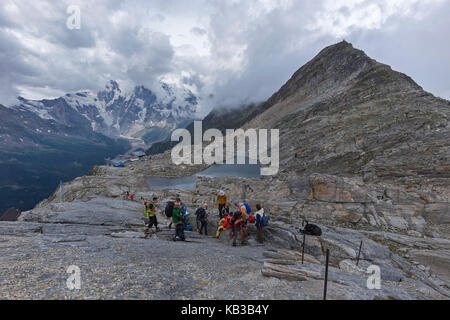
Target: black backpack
[
  {"x": 311, "y": 229},
  {"x": 179, "y": 228},
  {"x": 236, "y": 215},
  {"x": 201, "y": 214},
  {"x": 169, "y": 209},
  {"x": 224, "y": 212}
]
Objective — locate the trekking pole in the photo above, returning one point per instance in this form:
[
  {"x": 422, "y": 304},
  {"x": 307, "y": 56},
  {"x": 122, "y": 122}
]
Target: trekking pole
[
  {"x": 359, "y": 253},
  {"x": 326, "y": 275},
  {"x": 303, "y": 247}
]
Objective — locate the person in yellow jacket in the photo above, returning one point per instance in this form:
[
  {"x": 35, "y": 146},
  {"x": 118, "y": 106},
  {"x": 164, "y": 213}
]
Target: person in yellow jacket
[{"x": 222, "y": 203}]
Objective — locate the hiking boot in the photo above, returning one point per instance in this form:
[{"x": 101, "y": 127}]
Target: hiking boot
[
  {"x": 234, "y": 244},
  {"x": 158, "y": 230},
  {"x": 147, "y": 231},
  {"x": 244, "y": 243}
]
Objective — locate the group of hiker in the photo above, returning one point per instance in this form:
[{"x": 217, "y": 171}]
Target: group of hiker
[
  {"x": 128, "y": 196},
  {"x": 236, "y": 222}
]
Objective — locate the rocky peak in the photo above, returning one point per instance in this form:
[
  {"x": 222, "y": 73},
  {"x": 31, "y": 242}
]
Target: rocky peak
[
  {"x": 145, "y": 94},
  {"x": 336, "y": 68},
  {"x": 111, "y": 88},
  {"x": 345, "y": 113}
]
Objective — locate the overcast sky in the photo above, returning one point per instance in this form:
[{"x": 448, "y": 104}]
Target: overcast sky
[{"x": 228, "y": 52}]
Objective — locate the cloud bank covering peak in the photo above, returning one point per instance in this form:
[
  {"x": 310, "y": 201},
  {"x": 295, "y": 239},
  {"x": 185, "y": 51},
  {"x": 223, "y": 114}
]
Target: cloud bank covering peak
[{"x": 227, "y": 52}]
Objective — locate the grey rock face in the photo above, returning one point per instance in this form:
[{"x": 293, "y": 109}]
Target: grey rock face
[{"x": 373, "y": 144}]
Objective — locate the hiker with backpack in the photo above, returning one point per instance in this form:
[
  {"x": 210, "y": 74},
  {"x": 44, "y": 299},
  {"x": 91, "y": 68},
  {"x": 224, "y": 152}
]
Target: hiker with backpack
[
  {"x": 169, "y": 210},
  {"x": 262, "y": 220},
  {"x": 236, "y": 228},
  {"x": 150, "y": 214},
  {"x": 245, "y": 210},
  {"x": 129, "y": 196},
  {"x": 221, "y": 202},
  {"x": 185, "y": 217},
  {"x": 202, "y": 214},
  {"x": 178, "y": 221},
  {"x": 187, "y": 224},
  {"x": 224, "y": 223}
]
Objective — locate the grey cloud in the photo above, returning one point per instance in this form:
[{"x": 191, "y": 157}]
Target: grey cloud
[
  {"x": 198, "y": 31},
  {"x": 414, "y": 47},
  {"x": 251, "y": 49},
  {"x": 279, "y": 42},
  {"x": 193, "y": 80}
]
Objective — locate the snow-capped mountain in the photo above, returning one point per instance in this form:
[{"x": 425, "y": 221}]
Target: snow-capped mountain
[
  {"x": 46, "y": 141},
  {"x": 140, "y": 113}
]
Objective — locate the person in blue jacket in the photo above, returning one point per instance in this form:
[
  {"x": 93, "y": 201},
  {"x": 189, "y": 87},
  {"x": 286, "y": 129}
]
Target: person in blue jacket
[{"x": 259, "y": 223}]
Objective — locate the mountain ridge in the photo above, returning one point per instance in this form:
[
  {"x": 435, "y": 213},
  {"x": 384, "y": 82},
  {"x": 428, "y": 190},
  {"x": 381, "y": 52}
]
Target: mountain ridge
[
  {"x": 115, "y": 113},
  {"x": 359, "y": 107}
]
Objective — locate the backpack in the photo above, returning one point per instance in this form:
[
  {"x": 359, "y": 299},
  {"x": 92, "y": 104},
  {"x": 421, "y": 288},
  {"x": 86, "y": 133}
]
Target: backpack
[
  {"x": 265, "y": 220},
  {"x": 248, "y": 208},
  {"x": 180, "y": 231},
  {"x": 237, "y": 215},
  {"x": 201, "y": 214},
  {"x": 169, "y": 209},
  {"x": 227, "y": 223},
  {"x": 147, "y": 206},
  {"x": 224, "y": 212},
  {"x": 312, "y": 229}
]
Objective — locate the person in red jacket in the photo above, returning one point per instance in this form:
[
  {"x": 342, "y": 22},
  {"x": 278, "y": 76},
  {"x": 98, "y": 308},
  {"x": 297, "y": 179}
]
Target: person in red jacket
[{"x": 224, "y": 223}]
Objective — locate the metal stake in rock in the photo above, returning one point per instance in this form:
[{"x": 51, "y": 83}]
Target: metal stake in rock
[
  {"x": 359, "y": 253},
  {"x": 303, "y": 246},
  {"x": 326, "y": 275}
]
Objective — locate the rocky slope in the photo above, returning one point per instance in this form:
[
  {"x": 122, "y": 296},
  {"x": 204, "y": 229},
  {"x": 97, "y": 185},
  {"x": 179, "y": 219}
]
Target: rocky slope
[
  {"x": 88, "y": 224},
  {"x": 364, "y": 155}
]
